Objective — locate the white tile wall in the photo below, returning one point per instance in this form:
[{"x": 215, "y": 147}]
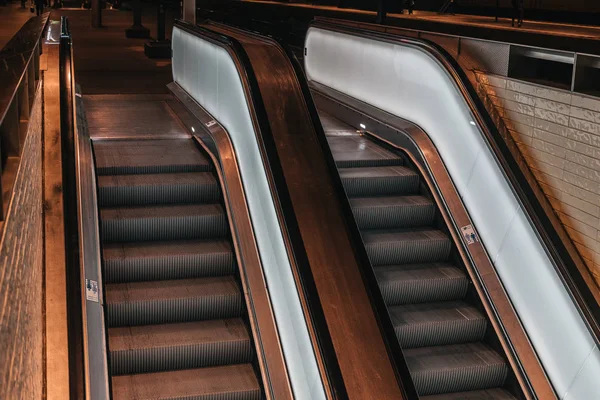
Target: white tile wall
[{"x": 559, "y": 134}]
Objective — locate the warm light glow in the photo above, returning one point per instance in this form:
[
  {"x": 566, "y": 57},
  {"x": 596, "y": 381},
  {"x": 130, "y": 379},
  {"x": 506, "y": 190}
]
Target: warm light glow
[{"x": 363, "y": 126}]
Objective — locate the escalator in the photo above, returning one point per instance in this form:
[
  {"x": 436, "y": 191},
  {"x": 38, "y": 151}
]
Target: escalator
[
  {"x": 175, "y": 312},
  {"x": 448, "y": 343}
]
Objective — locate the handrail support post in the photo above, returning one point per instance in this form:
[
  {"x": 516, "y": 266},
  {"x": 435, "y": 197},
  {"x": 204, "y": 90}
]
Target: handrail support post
[
  {"x": 137, "y": 30},
  {"x": 189, "y": 11}
]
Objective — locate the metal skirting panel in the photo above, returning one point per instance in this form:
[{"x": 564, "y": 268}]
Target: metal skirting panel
[
  {"x": 450, "y": 43},
  {"x": 490, "y": 57}
]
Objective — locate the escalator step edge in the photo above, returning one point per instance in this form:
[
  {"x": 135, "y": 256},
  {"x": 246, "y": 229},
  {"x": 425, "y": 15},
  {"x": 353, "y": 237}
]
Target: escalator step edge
[
  {"x": 436, "y": 324},
  {"x": 145, "y": 189},
  {"x": 491, "y": 394},
  {"x": 231, "y": 382},
  {"x": 149, "y": 261},
  {"x": 455, "y": 368},
  {"x": 155, "y": 348},
  {"x": 418, "y": 283},
  {"x": 161, "y": 302}
]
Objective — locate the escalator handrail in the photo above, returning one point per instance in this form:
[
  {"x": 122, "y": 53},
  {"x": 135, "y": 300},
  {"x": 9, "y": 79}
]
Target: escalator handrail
[
  {"x": 519, "y": 176},
  {"x": 82, "y": 231},
  {"x": 321, "y": 343}
]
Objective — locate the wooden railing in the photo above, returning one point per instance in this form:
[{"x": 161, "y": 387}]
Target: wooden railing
[{"x": 19, "y": 82}]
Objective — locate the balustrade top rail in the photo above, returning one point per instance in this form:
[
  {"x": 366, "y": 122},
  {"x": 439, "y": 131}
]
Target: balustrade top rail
[
  {"x": 15, "y": 57},
  {"x": 19, "y": 78}
]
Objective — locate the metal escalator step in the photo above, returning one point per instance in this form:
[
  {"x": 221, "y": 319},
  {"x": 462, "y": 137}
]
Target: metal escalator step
[
  {"x": 155, "y": 348},
  {"x": 192, "y": 221},
  {"x": 230, "y": 382},
  {"x": 367, "y": 162},
  {"x": 418, "y": 283},
  {"x": 455, "y": 368},
  {"x": 435, "y": 324},
  {"x": 490, "y": 394},
  {"x": 124, "y": 157},
  {"x": 388, "y": 247},
  {"x": 351, "y": 151},
  {"x": 182, "y": 300},
  {"x": 149, "y": 261},
  {"x": 131, "y": 190},
  {"x": 392, "y": 212},
  {"x": 377, "y": 181}
]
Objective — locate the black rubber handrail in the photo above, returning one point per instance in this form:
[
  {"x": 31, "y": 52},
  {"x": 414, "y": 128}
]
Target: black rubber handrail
[
  {"x": 67, "y": 135},
  {"x": 519, "y": 177},
  {"x": 314, "y": 312}
]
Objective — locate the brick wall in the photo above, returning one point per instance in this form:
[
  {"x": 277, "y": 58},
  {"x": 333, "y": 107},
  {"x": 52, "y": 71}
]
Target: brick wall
[
  {"x": 21, "y": 252},
  {"x": 558, "y": 132}
]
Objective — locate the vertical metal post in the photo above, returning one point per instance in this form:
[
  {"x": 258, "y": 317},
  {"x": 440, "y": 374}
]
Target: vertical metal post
[
  {"x": 159, "y": 48},
  {"x": 137, "y": 30},
  {"x": 381, "y": 11},
  {"x": 497, "y": 9},
  {"x": 160, "y": 21},
  {"x": 137, "y": 13},
  {"x": 189, "y": 11},
  {"x": 96, "y": 14}
]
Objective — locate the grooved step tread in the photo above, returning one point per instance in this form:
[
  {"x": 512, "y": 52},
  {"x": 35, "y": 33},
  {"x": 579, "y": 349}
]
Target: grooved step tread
[
  {"x": 176, "y": 346},
  {"x": 406, "y": 246},
  {"x": 172, "y": 248},
  {"x": 403, "y": 235},
  {"x": 183, "y": 187},
  {"x": 356, "y": 151},
  {"x": 161, "y": 223},
  {"x": 176, "y": 259},
  {"x": 379, "y": 181},
  {"x": 416, "y": 283},
  {"x": 377, "y": 172},
  {"x": 166, "y": 179},
  {"x": 490, "y": 394},
  {"x": 455, "y": 368},
  {"x": 181, "y": 334},
  {"x": 392, "y": 211},
  {"x": 451, "y": 356},
  {"x": 161, "y": 212},
  {"x": 172, "y": 289},
  {"x": 390, "y": 201},
  {"x": 230, "y": 382},
  {"x": 148, "y": 156},
  {"x": 434, "y": 324}
]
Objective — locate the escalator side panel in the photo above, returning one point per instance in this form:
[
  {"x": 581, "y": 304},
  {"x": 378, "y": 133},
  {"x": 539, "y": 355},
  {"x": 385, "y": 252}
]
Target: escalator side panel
[{"x": 217, "y": 85}]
